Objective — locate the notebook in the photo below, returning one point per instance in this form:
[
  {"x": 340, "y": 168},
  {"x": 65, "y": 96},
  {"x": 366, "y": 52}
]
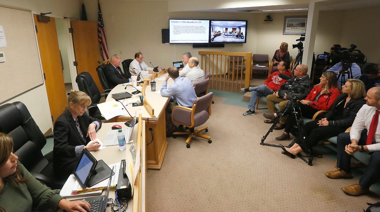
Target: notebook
[
  {"x": 99, "y": 204},
  {"x": 121, "y": 95},
  {"x": 178, "y": 64}
]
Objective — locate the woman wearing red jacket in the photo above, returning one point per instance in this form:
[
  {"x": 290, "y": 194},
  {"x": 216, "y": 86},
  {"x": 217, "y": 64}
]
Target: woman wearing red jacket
[{"x": 321, "y": 97}]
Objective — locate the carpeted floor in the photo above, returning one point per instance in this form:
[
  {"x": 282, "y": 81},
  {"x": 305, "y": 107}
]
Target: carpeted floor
[{"x": 236, "y": 173}]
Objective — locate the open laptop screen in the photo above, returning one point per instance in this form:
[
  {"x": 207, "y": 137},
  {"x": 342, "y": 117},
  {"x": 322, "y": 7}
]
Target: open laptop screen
[{"x": 178, "y": 64}]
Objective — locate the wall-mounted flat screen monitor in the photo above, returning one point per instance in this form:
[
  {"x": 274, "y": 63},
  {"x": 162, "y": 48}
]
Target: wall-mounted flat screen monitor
[
  {"x": 223, "y": 31},
  {"x": 188, "y": 31}
]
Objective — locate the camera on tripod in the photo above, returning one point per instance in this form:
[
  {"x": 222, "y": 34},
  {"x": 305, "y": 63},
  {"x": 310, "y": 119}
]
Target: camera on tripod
[
  {"x": 299, "y": 45},
  {"x": 349, "y": 56}
]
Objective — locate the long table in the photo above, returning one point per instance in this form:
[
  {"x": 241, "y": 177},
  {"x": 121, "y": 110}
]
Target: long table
[{"x": 155, "y": 124}]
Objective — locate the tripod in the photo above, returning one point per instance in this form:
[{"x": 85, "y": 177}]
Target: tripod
[
  {"x": 292, "y": 108},
  {"x": 343, "y": 73},
  {"x": 298, "y": 59}
]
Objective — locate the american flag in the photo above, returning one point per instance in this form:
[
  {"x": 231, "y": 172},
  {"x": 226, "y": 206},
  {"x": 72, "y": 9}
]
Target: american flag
[{"x": 102, "y": 36}]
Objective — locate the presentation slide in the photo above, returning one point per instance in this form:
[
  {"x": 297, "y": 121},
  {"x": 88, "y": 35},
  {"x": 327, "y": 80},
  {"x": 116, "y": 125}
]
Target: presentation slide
[
  {"x": 228, "y": 31},
  {"x": 188, "y": 31}
]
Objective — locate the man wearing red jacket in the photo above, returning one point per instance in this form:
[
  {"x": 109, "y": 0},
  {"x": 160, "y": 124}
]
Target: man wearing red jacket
[{"x": 271, "y": 84}]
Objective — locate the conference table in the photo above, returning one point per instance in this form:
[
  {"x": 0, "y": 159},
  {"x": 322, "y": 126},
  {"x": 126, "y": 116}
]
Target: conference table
[
  {"x": 152, "y": 112},
  {"x": 136, "y": 171}
]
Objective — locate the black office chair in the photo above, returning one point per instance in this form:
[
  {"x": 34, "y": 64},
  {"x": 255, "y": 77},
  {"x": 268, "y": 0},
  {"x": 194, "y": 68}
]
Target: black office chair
[
  {"x": 86, "y": 84},
  {"x": 102, "y": 78},
  {"x": 125, "y": 65},
  {"x": 16, "y": 121}
]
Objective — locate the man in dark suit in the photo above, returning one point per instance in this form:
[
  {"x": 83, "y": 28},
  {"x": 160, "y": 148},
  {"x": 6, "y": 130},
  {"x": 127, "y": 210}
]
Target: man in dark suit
[{"x": 113, "y": 72}]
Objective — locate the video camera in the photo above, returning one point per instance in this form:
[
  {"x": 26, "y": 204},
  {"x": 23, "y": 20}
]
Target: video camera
[
  {"x": 299, "y": 45},
  {"x": 348, "y": 56}
]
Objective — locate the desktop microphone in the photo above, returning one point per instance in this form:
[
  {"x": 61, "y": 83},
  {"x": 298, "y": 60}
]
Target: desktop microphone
[
  {"x": 137, "y": 90},
  {"x": 127, "y": 123},
  {"x": 154, "y": 68}
]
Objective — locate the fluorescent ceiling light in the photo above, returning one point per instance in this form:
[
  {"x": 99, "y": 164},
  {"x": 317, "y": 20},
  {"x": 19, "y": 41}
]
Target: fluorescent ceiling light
[{"x": 296, "y": 9}]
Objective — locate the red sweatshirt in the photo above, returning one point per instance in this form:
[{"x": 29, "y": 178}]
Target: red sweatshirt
[
  {"x": 274, "y": 81},
  {"x": 325, "y": 101}
]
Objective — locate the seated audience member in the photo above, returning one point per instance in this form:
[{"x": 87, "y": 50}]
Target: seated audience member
[
  {"x": 113, "y": 73},
  {"x": 281, "y": 54},
  {"x": 181, "y": 92},
  {"x": 186, "y": 69},
  {"x": 371, "y": 76},
  {"x": 301, "y": 85},
  {"x": 321, "y": 97},
  {"x": 73, "y": 130},
  {"x": 196, "y": 74},
  {"x": 342, "y": 73},
  {"x": 340, "y": 116},
  {"x": 271, "y": 84},
  {"x": 21, "y": 191},
  {"x": 138, "y": 65},
  {"x": 364, "y": 140}
]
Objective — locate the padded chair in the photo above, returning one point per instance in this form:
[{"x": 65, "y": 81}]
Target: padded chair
[
  {"x": 193, "y": 117},
  {"x": 261, "y": 63},
  {"x": 125, "y": 65},
  {"x": 201, "y": 88},
  {"x": 102, "y": 78},
  {"x": 86, "y": 84},
  {"x": 16, "y": 121}
]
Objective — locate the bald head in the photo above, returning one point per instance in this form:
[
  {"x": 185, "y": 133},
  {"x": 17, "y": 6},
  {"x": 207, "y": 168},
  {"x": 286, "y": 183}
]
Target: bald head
[
  {"x": 193, "y": 62},
  {"x": 301, "y": 70}
]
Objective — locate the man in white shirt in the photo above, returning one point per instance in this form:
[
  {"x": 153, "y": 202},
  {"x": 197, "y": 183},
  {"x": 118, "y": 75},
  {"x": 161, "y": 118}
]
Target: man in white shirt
[
  {"x": 362, "y": 140},
  {"x": 138, "y": 65},
  {"x": 186, "y": 69},
  {"x": 196, "y": 74}
]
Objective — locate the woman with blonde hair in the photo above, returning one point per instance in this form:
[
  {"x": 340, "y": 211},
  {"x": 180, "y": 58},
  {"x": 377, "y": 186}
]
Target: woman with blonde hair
[
  {"x": 73, "y": 130},
  {"x": 340, "y": 116},
  {"x": 281, "y": 54},
  {"x": 20, "y": 191}
]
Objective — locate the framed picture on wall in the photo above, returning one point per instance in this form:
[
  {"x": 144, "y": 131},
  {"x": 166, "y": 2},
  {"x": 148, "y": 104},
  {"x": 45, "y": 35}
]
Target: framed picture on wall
[{"x": 295, "y": 25}]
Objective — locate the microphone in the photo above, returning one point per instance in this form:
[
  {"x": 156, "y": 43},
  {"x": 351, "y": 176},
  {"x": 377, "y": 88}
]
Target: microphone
[
  {"x": 137, "y": 90},
  {"x": 284, "y": 76},
  {"x": 131, "y": 122},
  {"x": 154, "y": 68}
]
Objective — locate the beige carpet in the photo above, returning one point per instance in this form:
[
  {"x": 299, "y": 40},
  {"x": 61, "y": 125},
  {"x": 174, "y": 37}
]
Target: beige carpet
[{"x": 236, "y": 173}]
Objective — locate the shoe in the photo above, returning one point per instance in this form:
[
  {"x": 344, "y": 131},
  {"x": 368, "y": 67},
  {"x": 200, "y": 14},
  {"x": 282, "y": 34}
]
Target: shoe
[
  {"x": 244, "y": 90},
  {"x": 279, "y": 126},
  {"x": 249, "y": 113},
  {"x": 269, "y": 121},
  {"x": 355, "y": 190},
  {"x": 285, "y": 152},
  {"x": 268, "y": 116},
  {"x": 337, "y": 174},
  {"x": 283, "y": 137}
]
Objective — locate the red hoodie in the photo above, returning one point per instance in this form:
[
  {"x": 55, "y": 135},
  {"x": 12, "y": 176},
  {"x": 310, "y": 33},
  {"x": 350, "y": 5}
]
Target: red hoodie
[
  {"x": 274, "y": 81},
  {"x": 325, "y": 101}
]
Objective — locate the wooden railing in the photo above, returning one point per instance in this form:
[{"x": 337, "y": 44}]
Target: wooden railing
[{"x": 229, "y": 71}]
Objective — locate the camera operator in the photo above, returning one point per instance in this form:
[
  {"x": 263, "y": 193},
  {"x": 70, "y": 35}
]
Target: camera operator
[
  {"x": 344, "y": 68},
  {"x": 332, "y": 58},
  {"x": 300, "y": 84},
  {"x": 371, "y": 76}
]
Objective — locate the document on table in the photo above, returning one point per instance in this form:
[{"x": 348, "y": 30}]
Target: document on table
[{"x": 112, "y": 109}]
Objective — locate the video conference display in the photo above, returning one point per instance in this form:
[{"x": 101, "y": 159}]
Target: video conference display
[
  {"x": 207, "y": 31},
  {"x": 228, "y": 31},
  {"x": 188, "y": 31}
]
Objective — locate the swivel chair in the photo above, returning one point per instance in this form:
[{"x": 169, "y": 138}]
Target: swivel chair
[
  {"x": 125, "y": 65},
  {"x": 201, "y": 88},
  {"x": 86, "y": 84},
  {"x": 16, "y": 121},
  {"x": 102, "y": 78},
  {"x": 193, "y": 117}
]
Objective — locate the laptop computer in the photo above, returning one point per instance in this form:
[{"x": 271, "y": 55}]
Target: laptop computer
[
  {"x": 121, "y": 95},
  {"x": 99, "y": 204},
  {"x": 178, "y": 64}
]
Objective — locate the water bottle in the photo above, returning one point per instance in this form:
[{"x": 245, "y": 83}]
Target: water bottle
[
  {"x": 121, "y": 140},
  {"x": 153, "y": 86},
  {"x": 132, "y": 149}
]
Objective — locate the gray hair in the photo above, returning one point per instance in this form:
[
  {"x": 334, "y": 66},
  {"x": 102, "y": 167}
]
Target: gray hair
[{"x": 187, "y": 54}]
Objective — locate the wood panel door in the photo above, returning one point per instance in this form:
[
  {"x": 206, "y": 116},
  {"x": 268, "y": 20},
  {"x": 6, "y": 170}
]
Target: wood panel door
[
  {"x": 86, "y": 47},
  {"x": 52, "y": 66}
]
